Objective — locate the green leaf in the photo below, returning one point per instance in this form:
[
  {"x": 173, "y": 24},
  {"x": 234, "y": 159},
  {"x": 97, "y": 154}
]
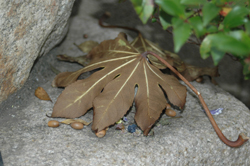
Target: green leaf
[
  {"x": 242, "y": 36},
  {"x": 153, "y": 20},
  {"x": 211, "y": 29},
  {"x": 240, "y": 3},
  {"x": 235, "y": 17},
  {"x": 231, "y": 45},
  {"x": 217, "y": 55},
  {"x": 206, "y": 47},
  {"x": 221, "y": 27},
  {"x": 144, "y": 8},
  {"x": 197, "y": 25},
  {"x": 137, "y": 4},
  {"x": 209, "y": 11},
  {"x": 189, "y": 13},
  {"x": 247, "y": 27},
  {"x": 165, "y": 19},
  {"x": 243, "y": 39},
  {"x": 181, "y": 33},
  {"x": 172, "y": 7},
  {"x": 176, "y": 21},
  {"x": 236, "y": 44},
  {"x": 193, "y": 2}
]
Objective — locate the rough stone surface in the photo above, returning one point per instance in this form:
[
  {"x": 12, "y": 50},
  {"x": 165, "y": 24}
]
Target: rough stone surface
[
  {"x": 28, "y": 29},
  {"x": 26, "y": 139}
]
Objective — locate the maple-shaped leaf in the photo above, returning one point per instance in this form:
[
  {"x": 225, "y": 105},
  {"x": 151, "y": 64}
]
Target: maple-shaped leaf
[
  {"x": 143, "y": 45},
  {"x": 110, "y": 91},
  {"x": 188, "y": 71}
]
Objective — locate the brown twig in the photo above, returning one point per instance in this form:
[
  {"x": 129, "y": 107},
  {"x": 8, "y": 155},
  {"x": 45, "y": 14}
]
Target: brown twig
[
  {"x": 107, "y": 15},
  {"x": 190, "y": 41},
  {"x": 242, "y": 138},
  {"x": 232, "y": 57}
]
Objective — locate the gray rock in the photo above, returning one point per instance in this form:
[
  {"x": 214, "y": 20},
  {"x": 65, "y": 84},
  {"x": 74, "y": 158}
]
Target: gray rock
[
  {"x": 27, "y": 140},
  {"x": 28, "y": 29}
]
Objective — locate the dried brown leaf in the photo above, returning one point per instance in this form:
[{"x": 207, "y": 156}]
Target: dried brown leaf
[
  {"x": 87, "y": 46},
  {"x": 42, "y": 94},
  {"x": 83, "y": 60},
  {"x": 68, "y": 121},
  {"x": 83, "y": 122},
  {"x": 193, "y": 72},
  {"x": 188, "y": 71},
  {"x": 143, "y": 45},
  {"x": 110, "y": 91}
]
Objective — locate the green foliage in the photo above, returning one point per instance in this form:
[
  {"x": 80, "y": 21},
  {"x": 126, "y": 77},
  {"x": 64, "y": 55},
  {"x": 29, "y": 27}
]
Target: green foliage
[
  {"x": 165, "y": 19},
  {"x": 236, "y": 17},
  {"x": 181, "y": 33},
  {"x": 172, "y": 7},
  {"x": 222, "y": 26},
  {"x": 209, "y": 12},
  {"x": 143, "y": 8}
]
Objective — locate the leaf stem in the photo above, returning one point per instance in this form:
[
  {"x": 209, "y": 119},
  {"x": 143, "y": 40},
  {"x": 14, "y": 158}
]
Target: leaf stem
[{"x": 242, "y": 138}]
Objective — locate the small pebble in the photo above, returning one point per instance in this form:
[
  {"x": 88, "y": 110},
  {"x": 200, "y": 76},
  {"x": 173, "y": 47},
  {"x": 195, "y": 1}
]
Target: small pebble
[
  {"x": 170, "y": 112},
  {"x": 216, "y": 111},
  {"x": 199, "y": 79},
  {"x": 53, "y": 123},
  {"x": 120, "y": 126},
  {"x": 101, "y": 133},
  {"x": 132, "y": 128},
  {"x": 125, "y": 119},
  {"x": 77, "y": 125},
  {"x": 168, "y": 106}
]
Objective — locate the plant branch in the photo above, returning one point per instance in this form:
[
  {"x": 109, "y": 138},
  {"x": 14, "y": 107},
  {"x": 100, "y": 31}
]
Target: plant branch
[
  {"x": 107, "y": 15},
  {"x": 242, "y": 138}
]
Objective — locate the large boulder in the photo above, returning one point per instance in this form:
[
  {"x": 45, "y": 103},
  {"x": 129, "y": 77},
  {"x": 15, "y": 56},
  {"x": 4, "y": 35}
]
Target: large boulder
[
  {"x": 28, "y": 29},
  {"x": 26, "y": 139}
]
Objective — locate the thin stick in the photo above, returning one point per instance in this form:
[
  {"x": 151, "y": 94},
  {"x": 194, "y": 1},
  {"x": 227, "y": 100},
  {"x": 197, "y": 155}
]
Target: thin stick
[
  {"x": 107, "y": 15},
  {"x": 242, "y": 138}
]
